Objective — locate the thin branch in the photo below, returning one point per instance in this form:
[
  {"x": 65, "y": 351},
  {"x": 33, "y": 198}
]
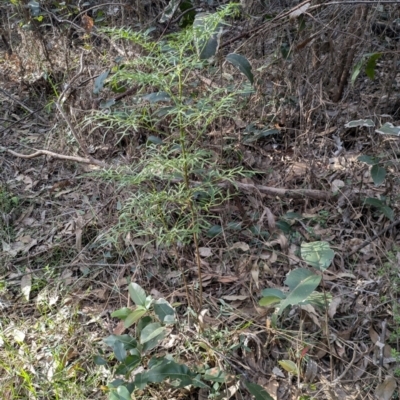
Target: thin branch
[
  {"x": 38, "y": 153},
  {"x": 367, "y": 242},
  {"x": 23, "y": 105}
]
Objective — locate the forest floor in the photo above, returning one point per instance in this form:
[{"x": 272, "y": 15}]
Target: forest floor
[{"x": 60, "y": 280}]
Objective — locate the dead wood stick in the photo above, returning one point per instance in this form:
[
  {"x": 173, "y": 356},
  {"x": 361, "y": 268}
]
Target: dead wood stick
[
  {"x": 38, "y": 153},
  {"x": 281, "y": 192},
  {"x": 368, "y": 241}
]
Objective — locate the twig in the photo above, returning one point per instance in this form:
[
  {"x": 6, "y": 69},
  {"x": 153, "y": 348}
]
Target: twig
[
  {"x": 368, "y": 241},
  {"x": 38, "y": 153},
  {"x": 23, "y": 106}
]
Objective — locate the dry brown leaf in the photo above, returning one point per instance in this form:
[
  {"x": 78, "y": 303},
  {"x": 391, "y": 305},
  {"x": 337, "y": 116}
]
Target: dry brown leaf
[
  {"x": 255, "y": 271},
  {"x": 205, "y": 251},
  {"x": 233, "y": 297},
  {"x": 385, "y": 389},
  {"x": 26, "y": 285},
  {"x": 240, "y": 245},
  {"x": 272, "y": 388},
  {"x": 333, "y": 306},
  {"x": 119, "y": 329}
]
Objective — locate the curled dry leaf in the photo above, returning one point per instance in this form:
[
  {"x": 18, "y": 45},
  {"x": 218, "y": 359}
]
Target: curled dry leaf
[
  {"x": 240, "y": 245},
  {"x": 205, "y": 252},
  {"x": 385, "y": 389},
  {"x": 333, "y": 306}
]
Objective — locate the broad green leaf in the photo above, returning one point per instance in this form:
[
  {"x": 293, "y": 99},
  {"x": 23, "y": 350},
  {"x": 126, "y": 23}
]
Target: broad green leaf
[
  {"x": 389, "y": 129},
  {"x": 371, "y": 65},
  {"x": 128, "y": 341},
  {"x": 163, "y": 310},
  {"x": 119, "y": 351},
  {"x": 151, "y": 331},
  {"x": 127, "y": 365},
  {"x": 374, "y": 202},
  {"x": 388, "y": 212},
  {"x": 378, "y": 174},
  {"x": 367, "y": 159},
  {"x": 360, "y": 122},
  {"x": 269, "y": 300},
  {"x": 98, "y": 360},
  {"x": 300, "y": 292},
  {"x": 154, "y": 140},
  {"x": 156, "y": 97},
  {"x": 169, "y": 11},
  {"x": 123, "y": 393},
  {"x": 289, "y": 366},
  {"x": 317, "y": 254},
  {"x": 242, "y": 64},
  {"x": 271, "y": 296},
  {"x": 134, "y": 316},
  {"x": 295, "y": 276},
  {"x": 99, "y": 82},
  {"x": 273, "y": 292},
  {"x": 214, "y": 231},
  {"x": 138, "y": 295},
  {"x": 258, "y": 391},
  {"x": 206, "y": 36},
  {"x": 122, "y": 313}
]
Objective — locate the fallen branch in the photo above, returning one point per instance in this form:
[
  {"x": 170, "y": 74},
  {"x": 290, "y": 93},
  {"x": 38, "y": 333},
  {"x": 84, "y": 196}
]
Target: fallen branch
[
  {"x": 368, "y": 241},
  {"x": 282, "y": 192},
  {"x": 37, "y": 153}
]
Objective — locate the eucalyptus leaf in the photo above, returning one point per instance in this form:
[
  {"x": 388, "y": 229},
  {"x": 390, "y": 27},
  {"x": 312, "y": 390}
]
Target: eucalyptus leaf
[{"x": 242, "y": 64}]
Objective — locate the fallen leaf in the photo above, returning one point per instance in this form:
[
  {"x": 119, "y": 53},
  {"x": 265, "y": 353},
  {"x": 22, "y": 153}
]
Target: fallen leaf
[
  {"x": 333, "y": 306},
  {"x": 385, "y": 389},
  {"x": 205, "y": 251},
  {"x": 26, "y": 285},
  {"x": 240, "y": 245},
  {"x": 233, "y": 298}
]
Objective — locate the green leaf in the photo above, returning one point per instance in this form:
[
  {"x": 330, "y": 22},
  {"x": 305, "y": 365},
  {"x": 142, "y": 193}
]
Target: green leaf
[
  {"x": 388, "y": 212},
  {"x": 99, "y": 82},
  {"x": 122, "y": 313},
  {"x": 169, "y": 11},
  {"x": 258, "y": 391},
  {"x": 360, "y": 122},
  {"x": 215, "y": 230},
  {"x": 134, "y": 316},
  {"x": 378, "y": 174},
  {"x": 119, "y": 351},
  {"x": 128, "y": 341},
  {"x": 374, "y": 202},
  {"x": 297, "y": 275},
  {"x": 138, "y": 295},
  {"x": 151, "y": 331},
  {"x": 371, "y": 65},
  {"x": 367, "y": 159},
  {"x": 317, "y": 254},
  {"x": 128, "y": 364},
  {"x": 356, "y": 71},
  {"x": 154, "y": 140},
  {"x": 123, "y": 393},
  {"x": 271, "y": 296},
  {"x": 206, "y": 36},
  {"x": 273, "y": 292},
  {"x": 289, "y": 366},
  {"x": 300, "y": 293},
  {"x": 98, "y": 360},
  {"x": 269, "y": 300},
  {"x": 164, "y": 311},
  {"x": 242, "y": 64},
  {"x": 389, "y": 129},
  {"x": 156, "y": 97}
]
